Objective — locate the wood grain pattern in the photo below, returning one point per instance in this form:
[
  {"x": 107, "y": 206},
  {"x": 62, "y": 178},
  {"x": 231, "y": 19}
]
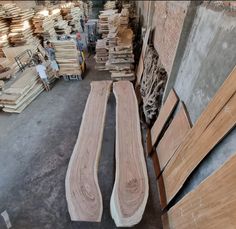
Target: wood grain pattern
[
  {"x": 82, "y": 190},
  {"x": 164, "y": 115},
  {"x": 130, "y": 191},
  {"x": 211, "y": 205},
  {"x": 214, "y": 123},
  {"x": 173, "y": 137}
]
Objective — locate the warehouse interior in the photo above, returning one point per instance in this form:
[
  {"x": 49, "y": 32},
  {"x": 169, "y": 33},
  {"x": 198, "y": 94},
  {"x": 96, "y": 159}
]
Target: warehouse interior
[{"x": 117, "y": 114}]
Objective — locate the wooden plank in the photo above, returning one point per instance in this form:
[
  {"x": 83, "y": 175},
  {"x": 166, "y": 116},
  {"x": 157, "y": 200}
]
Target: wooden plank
[
  {"x": 82, "y": 190},
  {"x": 214, "y": 123},
  {"x": 130, "y": 191},
  {"x": 142, "y": 56},
  {"x": 164, "y": 115},
  {"x": 173, "y": 136},
  {"x": 211, "y": 205}
]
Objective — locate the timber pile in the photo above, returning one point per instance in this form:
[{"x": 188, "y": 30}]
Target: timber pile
[
  {"x": 61, "y": 27},
  {"x": 20, "y": 28},
  {"x": 121, "y": 58},
  {"x": 113, "y": 25},
  {"x": 11, "y": 10},
  {"x": 44, "y": 26},
  {"x": 124, "y": 17},
  {"x": 110, "y": 5},
  {"x": 101, "y": 56},
  {"x": 83, "y": 194},
  {"x": 130, "y": 191},
  {"x": 67, "y": 57},
  {"x": 4, "y": 30},
  {"x": 22, "y": 92},
  {"x": 103, "y": 22},
  {"x": 5, "y": 72}
]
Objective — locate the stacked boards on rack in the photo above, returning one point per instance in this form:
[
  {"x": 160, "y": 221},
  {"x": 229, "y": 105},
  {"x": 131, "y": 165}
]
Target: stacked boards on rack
[{"x": 101, "y": 54}]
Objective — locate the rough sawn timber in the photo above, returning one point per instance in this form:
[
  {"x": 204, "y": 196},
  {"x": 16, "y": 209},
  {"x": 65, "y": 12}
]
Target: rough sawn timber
[
  {"x": 211, "y": 205},
  {"x": 82, "y": 190},
  {"x": 130, "y": 191},
  {"x": 214, "y": 123}
]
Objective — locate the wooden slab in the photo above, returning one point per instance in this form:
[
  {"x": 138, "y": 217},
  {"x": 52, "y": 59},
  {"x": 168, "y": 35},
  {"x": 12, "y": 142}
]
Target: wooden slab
[
  {"x": 82, "y": 190},
  {"x": 164, "y": 115},
  {"x": 211, "y": 205},
  {"x": 214, "y": 123},
  {"x": 173, "y": 137},
  {"x": 130, "y": 191},
  {"x": 142, "y": 56}
]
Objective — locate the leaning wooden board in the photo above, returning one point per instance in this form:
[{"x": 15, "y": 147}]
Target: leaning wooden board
[
  {"x": 173, "y": 136},
  {"x": 211, "y": 205},
  {"x": 164, "y": 115},
  {"x": 130, "y": 191},
  {"x": 82, "y": 190},
  {"x": 215, "y": 122}
]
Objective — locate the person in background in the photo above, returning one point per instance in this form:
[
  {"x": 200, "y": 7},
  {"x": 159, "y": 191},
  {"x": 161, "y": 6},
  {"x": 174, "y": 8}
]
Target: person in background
[
  {"x": 82, "y": 23},
  {"x": 51, "y": 54},
  {"x": 79, "y": 43},
  {"x": 41, "y": 69}
]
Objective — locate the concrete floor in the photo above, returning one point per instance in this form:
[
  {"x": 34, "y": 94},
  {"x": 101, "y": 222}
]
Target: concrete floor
[{"x": 35, "y": 149}]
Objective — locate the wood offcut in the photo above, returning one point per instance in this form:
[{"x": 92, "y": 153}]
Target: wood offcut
[
  {"x": 130, "y": 191},
  {"x": 82, "y": 190}
]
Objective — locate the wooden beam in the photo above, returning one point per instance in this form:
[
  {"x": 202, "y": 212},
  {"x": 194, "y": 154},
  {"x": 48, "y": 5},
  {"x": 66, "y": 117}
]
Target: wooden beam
[
  {"x": 82, "y": 190},
  {"x": 173, "y": 137},
  {"x": 164, "y": 115},
  {"x": 215, "y": 122},
  {"x": 130, "y": 191},
  {"x": 211, "y": 205}
]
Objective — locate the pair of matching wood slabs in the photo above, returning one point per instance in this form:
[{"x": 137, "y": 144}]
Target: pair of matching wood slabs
[{"x": 130, "y": 191}]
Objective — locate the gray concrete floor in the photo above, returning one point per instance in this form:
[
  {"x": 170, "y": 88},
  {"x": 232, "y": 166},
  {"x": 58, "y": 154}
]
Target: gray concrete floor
[{"x": 35, "y": 148}]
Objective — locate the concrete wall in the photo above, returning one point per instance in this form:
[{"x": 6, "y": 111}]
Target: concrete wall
[{"x": 196, "y": 44}]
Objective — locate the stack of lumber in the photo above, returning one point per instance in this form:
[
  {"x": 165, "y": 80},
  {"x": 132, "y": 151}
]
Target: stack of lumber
[
  {"x": 20, "y": 28},
  {"x": 11, "y": 10},
  {"x": 110, "y": 5},
  {"x": 61, "y": 27},
  {"x": 5, "y": 72},
  {"x": 124, "y": 17},
  {"x": 121, "y": 58},
  {"x": 113, "y": 25},
  {"x": 22, "y": 92},
  {"x": 67, "y": 57},
  {"x": 44, "y": 25},
  {"x": 103, "y": 22},
  {"x": 4, "y": 29},
  {"x": 101, "y": 56}
]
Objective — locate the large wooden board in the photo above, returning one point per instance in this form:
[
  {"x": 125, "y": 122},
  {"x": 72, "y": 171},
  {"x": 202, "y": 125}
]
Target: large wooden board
[
  {"x": 164, "y": 115},
  {"x": 142, "y": 56},
  {"x": 173, "y": 137},
  {"x": 214, "y": 123},
  {"x": 211, "y": 205},
  {"x": 82, "y": 190},
  {"x": 130, "y": 191}
]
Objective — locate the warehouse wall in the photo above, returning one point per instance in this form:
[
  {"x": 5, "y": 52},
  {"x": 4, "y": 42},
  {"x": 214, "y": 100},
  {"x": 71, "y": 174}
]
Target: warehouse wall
[{"x": 196, "y": 44}]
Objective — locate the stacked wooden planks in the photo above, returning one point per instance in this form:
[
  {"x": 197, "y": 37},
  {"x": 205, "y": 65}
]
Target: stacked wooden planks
[
  {"x": 44, "y": 25},
  {"x": 11, "y": 10},
  {"x": 4, "y": 30},
  {"x": 124, "y": 17},
  {"x": 101, "y": 56},
  {"x": 20, "y": 28},
  {"x": 67, "y": 57},
  {"x": 83, "y": 194},
  {"x": 22, "y": 92},
  {"x": 110, "y": 5},
  {"x": 121, "y": 58},
  {"x": 130, "y": 191}
]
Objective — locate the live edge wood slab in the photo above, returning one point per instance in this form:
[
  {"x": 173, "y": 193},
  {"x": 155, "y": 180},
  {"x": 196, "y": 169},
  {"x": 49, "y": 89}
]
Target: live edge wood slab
[
  {"x": 82, "y": 190},
  {"x": 214, "y": 123},
  {"x": 130, "y": 191},
  {"x": 211, "y": 205}
]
